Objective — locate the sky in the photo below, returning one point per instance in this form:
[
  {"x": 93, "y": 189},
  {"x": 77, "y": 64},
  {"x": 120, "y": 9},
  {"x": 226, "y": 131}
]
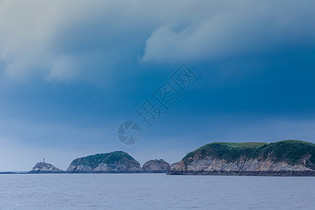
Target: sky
[{"x": 72, "y": 71}]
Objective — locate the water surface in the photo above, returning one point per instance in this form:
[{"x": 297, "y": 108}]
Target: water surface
[{"x": 154, "y": 191}]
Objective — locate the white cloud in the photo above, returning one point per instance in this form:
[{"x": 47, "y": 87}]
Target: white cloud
[
  {"x": 57, "y": 39},
  {"x": 234, "y": 29},
  {"x": 52, "y": 38}
]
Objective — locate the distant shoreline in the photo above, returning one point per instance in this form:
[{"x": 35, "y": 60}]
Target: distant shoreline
[
  {"x": 201, "y": 173},
  {"x": 247, "y": 173},
  {"x": 65, "y": 172},
  {"x": 282, "y": 158}
]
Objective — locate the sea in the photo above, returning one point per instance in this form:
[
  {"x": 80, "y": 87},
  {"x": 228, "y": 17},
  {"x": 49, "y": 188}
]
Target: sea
[{"x": 154, "y": 191}]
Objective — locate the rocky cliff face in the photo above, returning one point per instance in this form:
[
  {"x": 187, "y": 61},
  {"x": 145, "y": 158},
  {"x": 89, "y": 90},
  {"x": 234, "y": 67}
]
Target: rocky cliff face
[
  {"x": 280, "y": 158},
  {"x": 114, "y": 162},
  {"x": 42, "y": 167},
  {"x": 156, "y": 166}
]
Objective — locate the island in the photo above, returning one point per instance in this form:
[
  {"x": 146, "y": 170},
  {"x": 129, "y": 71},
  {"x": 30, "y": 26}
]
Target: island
[
  {"x": 283, "y": 158},
  {"x": 113, "y": 162},
  {"x": 156, "y": 166},
  {"x": 42, "y": 167}
]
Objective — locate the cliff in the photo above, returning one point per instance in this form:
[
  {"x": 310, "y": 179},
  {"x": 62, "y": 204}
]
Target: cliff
[
  {"x": 289, "y": 157},
  {"x": 42, "y": 167},
  {"x": 156, "y": 166},
  {"x": 114, "y": 162}
]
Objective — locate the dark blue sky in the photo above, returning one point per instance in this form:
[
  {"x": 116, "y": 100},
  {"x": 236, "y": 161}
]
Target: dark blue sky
[{"x": 69, "y": 75}]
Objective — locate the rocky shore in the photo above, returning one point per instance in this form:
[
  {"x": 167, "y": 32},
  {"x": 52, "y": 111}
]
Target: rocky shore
[
  {"x": 245, "y": 173},
  {"x": 284, "y": 158}
]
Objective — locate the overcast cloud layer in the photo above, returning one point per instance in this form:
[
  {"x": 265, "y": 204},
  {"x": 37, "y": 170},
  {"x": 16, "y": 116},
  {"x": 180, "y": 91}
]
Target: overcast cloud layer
[
  {"x": 71, "y": 71},
  {"x": 66, "y": 39}
]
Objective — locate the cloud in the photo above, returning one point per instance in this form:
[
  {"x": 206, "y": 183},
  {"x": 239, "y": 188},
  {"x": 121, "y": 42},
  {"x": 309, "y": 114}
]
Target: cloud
[
  {"x": 235, "y": 29},
  {"x": 61, "y": 40}
]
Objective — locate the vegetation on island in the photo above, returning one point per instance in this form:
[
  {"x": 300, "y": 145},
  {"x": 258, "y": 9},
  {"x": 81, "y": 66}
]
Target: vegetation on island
[
  {"x": 290, "y": 151},
  {"x": 108, "y": 158}
]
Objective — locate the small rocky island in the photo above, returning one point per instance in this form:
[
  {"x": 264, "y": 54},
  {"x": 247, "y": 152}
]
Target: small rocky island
[
  {"x": 113, "y": 162},
  {"x": 156, "y": 166},
  {"x": 283, "y": 158},
  {"x": 42, "y": 167}
]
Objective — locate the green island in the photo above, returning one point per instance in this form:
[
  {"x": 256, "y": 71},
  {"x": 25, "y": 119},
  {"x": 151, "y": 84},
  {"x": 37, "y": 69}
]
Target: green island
[
  {"x": 290, "y": 151},
  {"x": 283, "y": 157}
]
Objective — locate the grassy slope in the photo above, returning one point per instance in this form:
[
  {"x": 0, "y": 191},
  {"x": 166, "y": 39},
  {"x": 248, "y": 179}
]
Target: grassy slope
[{"x": 291, "y": 151}]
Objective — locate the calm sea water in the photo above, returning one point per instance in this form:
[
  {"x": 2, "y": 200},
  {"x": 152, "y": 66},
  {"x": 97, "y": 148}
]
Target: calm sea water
[{"x": 154, "y": 191}]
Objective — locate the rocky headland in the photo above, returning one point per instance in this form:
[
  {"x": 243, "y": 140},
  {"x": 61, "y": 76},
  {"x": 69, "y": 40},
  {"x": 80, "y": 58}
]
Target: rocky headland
[
  {"x": 156, "y": 166},
  {"x": 283, "y": 158}
]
